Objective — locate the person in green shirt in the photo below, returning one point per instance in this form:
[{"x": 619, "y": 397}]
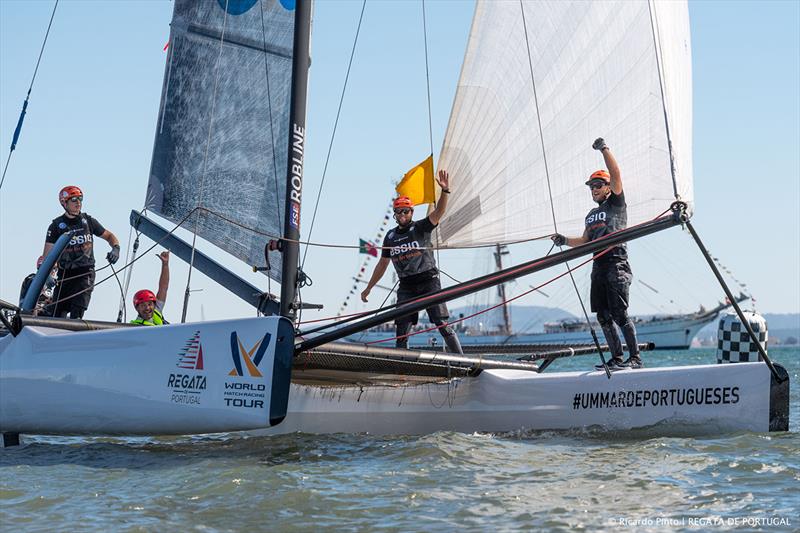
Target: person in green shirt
[{"x": 151, "y": 306}]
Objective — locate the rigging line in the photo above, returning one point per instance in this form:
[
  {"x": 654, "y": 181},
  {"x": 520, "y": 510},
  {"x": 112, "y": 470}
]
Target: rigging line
[
  {"x": 129, "y": 273},
  {"x": 123, "y": 311},
  {"x": 27, "y": 97},
  {"x": 205, "y": 163},
  {"x": 486, "y": 278},
  {"x": 388, "y": 294},
  {"x": 333, "y": 134},
  {"x": 657, "y": 46},
  {"x": 550, "y": 192},
  {"x": 461, "y": 319},
  {"x": 134, "y": 260},
  {"x": 430, "y": 119},
  {"x": 427, "y": 76},
  {"x": 353, "y": 246},
  {"x": 449, "y": 276},
  {"x": 271, "y": 126}
]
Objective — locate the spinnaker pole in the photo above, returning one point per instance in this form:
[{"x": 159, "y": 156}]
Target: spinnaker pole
[{"x": 294, "y": 168}]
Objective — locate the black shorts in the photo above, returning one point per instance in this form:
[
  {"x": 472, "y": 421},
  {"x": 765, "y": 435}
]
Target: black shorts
[
  {"x": 436, "y": 313},
  {"x": 610, "y": 287},
  {"x": 71, "y": 283}
]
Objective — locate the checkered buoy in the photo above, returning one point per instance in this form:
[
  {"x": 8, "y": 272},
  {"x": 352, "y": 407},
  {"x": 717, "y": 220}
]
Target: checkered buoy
[{"x": 733, "y": 341}]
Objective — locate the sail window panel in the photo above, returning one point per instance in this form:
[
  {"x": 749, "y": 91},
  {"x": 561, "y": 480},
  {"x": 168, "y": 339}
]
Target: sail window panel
[
  {"x": 596, "y": 73},
  {"x": 221, "y": 143}
]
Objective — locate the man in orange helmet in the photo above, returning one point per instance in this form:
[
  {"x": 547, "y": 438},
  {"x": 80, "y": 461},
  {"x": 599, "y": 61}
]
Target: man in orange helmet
[
  {"x": 611, "y": 272},
  {"x": 151, "y": 306},
  {"x": 408, "y": 247},
  {"x": 76, "y": 263}
]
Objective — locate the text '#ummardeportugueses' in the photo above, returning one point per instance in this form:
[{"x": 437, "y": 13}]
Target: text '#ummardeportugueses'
[{"x": 656, "y": 398}]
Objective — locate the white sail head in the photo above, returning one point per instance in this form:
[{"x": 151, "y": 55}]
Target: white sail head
[{"x": 596, "y": 71}]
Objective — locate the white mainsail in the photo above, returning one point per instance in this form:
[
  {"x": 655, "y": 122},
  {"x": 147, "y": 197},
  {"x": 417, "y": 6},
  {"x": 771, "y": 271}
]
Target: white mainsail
[{"x": 599, "y": 70}]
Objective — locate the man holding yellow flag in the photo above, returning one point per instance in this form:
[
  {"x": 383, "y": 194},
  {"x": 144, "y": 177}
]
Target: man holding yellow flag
[{"x": 408, "y": 246}]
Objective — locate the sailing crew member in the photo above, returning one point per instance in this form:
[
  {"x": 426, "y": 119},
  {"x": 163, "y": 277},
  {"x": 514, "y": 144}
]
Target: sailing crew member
[
  {"x": 151, "y": 306},
  {"x": 611, "y": 272},
  {"x": 76, "y": 263},
  {"x": 408, "y": 246}
]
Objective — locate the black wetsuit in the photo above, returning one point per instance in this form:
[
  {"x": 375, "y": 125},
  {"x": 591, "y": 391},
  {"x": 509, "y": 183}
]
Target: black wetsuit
[
  {"x": 409, "y": 249},
  {"x": 76, "y": 263},
  {"x": 611, "y": 275}
]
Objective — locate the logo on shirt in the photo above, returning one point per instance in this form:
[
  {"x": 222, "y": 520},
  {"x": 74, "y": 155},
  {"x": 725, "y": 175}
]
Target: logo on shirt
[
  {"x": 62, "y": 225},
  {"x": 600, "y": 216},
  {"x": 403, "y": 248}
]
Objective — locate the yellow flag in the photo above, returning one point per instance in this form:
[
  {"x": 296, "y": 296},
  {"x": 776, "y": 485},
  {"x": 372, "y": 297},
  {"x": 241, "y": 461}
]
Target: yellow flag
[{"x": 417, "y": 184}]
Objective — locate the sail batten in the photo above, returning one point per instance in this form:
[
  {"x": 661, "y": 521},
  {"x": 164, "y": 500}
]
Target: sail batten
[
  {"x": 235, "y": 65},
  {"x": 598, "y": 70}
]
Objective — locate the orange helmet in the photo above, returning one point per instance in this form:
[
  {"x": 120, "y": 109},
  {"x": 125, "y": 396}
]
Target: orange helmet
[
  {"x": 70, "y": 191},
  {"x": 143, "y": 296},
  {"x": 401, "y": 202},
  {"x": 599, "y": 175}
]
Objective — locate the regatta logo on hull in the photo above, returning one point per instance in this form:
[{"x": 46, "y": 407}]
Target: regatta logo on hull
[
  {"x": 186, "y": 388},
  {"x": 251, "y": 362},
  {"x": 191, "y": 357},
  {"x": 241, "y": 393}
]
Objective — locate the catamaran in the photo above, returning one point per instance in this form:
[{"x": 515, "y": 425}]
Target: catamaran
[{"x": 538, "y": 80}]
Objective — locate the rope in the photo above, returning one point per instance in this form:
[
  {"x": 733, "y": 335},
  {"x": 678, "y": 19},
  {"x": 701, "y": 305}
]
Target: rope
[
  {"x": 549, "y": 188},
  {"x": 656, "y": 45},
  {"x": 532, "y": 289},
  {"x": 333, "y": 134},
  {"x": 271, "y": 127},
  {"x": 496, "y": 305},
  {"x": 205, "y": 163},
  {"x": 157, "y": 243},
  {"x": 355, "y": 247},
  {"x": 27, "y": 96},
  {"x": 430, "y": 117}
]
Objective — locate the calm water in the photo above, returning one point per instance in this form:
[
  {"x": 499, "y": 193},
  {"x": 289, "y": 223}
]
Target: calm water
[{"x": 551, "y": 481}]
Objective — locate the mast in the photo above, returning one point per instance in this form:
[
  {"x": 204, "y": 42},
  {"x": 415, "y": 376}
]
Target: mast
[
  {"x": 499, "y": 251},
  {"x": 294, "y": 170}
]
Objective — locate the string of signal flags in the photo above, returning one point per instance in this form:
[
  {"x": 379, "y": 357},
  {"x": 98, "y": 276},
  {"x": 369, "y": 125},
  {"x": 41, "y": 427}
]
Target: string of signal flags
[{"x": 419, "y": 185}]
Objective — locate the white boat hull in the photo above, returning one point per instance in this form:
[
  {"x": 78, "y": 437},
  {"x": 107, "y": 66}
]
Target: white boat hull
[
  {"x": 179, "y": 379},
  {"x": 123, "y": 382},
  {"x": 708, "y": 399}
]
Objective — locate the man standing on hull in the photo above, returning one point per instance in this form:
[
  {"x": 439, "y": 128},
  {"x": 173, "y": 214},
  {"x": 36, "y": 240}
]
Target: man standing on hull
[
  {"x": 408, "y": 246},
  {"x": 76, "y": 263},
  {"x": 611, "y": 273}
]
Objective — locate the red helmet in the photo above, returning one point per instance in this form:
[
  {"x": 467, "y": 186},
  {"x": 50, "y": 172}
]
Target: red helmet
[
  {"x": 401, "y": 202},
  {"x": 600, "y": 175},
  {"x": 143, "y": 296},
  {"x": 70, "y": 191}
]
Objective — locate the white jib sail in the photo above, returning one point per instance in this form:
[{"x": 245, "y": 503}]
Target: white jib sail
[{"x": 611, "y": 69}]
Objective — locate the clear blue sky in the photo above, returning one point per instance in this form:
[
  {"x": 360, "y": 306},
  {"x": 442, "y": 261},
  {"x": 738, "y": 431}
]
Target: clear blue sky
[{"x": 93, "y": 112}]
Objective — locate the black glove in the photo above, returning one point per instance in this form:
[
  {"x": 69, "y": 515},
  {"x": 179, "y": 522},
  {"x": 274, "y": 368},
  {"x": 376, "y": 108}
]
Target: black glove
[
  {"x": 558, "y": 239},
  {"x": 599, "y": 144},
  {"x": 113, "y": 256}
]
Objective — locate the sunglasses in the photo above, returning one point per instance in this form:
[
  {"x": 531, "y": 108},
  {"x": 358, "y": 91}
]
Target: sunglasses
[
  {"x": 597, "y": 185},
  {"x": 402, "y": 211},
  {"x": 76, "y": 199}
]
